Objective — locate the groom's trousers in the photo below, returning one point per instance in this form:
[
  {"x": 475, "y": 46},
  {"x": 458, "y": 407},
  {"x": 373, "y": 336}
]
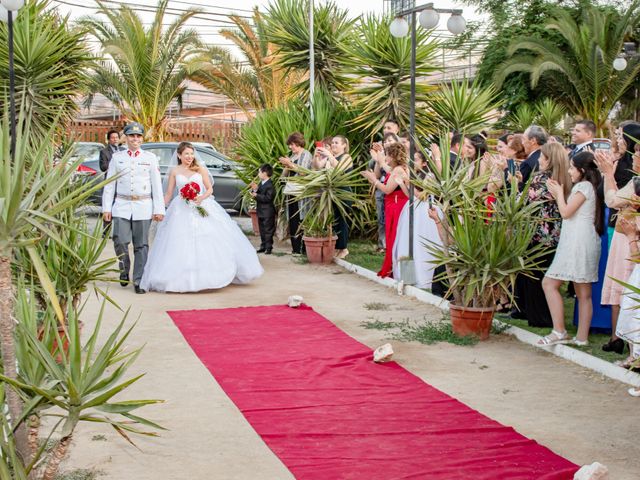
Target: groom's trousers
[{"x": 126, "y": 231}]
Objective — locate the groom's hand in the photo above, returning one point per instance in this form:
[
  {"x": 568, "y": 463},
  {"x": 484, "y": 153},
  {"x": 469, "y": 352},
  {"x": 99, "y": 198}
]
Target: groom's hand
[
  {"x": 158, "y": 218},
  {"x": 106, "y": 216}
]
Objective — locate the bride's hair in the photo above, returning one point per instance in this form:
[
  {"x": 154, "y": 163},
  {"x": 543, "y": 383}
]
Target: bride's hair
[{"x": 195, "y": 166}]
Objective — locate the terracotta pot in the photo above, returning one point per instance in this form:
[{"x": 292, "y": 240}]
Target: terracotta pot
[
  {"x": 471, "y": 321},
  {"x": 320, "y": 249},
  {"x": 65, "y": 342},
  {"x": 254, "y": 221}
]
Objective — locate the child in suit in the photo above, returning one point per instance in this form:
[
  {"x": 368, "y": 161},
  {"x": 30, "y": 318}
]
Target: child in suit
[{"x": 266, "y": 211}]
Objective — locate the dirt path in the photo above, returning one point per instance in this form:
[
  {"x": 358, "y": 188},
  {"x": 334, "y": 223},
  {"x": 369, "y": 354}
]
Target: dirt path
[{"x": 576, "y": 413}]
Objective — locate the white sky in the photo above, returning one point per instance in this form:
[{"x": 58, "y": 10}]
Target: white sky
[{"x": 209, "y": 25}]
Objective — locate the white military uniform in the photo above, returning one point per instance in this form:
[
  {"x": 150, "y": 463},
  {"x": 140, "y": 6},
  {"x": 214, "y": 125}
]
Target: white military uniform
[
  {"x": 138, "y": 191},
  {"x": 133, "y": 199}
]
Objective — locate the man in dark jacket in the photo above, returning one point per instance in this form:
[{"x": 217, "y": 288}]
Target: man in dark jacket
[
  {"x": 534, "y": 138},
  {"x": 265, "y": 209},
  {"x": 113, "y": 137}
]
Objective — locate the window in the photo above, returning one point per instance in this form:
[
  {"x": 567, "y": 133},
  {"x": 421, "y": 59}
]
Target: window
[
  {"x": 211, "y": 160},
  {"x": 164, "y": 155}
]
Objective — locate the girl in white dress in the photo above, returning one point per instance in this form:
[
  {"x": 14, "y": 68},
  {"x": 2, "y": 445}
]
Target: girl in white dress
[
  {"x": 578, "y": 253},
  {"x": 190, "y": 252}
]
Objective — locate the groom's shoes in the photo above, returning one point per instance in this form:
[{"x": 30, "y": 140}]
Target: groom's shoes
[
  {"x": 261, "y": 250},
  {"x": 267, "y": 251},
  {"x": 139, "y": 290},
  {"x": 124, "y": 279}
]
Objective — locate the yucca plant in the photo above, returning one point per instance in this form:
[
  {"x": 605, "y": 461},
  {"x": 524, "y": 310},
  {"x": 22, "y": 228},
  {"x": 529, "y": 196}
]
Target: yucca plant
[
  {"x": 72, "y": 261},
  {"x": 549, "y": 115},
  {"x": 464, "y": 106},
  {"x": 523, "y": 117},
  {"x": 33, "y": 190},
  {"x": 326, "y": 191},
  {"x": 380, "y": 63},
  {"x": 483, "y": 249},
  {"x": 288, "y": 29},
  {"x": 80, "y": 381},
  {"x": 51, "y": 64},
  {"x": 143, "y": 68}
]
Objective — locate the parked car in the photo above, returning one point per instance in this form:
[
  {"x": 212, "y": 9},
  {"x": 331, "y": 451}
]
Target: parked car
[
  {"x": 89, "y": 169},
  {"x": 227, "y": 186},
  {"x": 204, "y": 145}
]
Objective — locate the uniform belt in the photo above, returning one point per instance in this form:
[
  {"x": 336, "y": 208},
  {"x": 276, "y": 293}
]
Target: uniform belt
[{"x": 133, "y": 197}]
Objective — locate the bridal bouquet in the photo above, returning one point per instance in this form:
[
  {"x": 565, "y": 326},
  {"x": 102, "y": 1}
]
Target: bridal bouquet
[{"x": 189, "y": 193}]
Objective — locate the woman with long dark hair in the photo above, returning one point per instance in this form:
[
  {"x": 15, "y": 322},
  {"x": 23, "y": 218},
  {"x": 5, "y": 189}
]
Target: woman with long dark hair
[{"x": 578, "y": 252}]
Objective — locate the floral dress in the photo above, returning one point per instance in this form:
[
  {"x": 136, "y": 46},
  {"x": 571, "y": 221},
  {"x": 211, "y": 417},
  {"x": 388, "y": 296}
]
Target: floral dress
[{"x": 548, "y": 231}]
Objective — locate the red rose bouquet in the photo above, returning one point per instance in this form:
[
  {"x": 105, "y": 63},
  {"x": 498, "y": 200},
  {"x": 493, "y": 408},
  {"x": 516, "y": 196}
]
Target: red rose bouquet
[{"x": 189, "y": 193}]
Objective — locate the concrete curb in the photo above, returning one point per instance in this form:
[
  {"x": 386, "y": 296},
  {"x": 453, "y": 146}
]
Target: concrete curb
[{"x": 573, "y": 355}]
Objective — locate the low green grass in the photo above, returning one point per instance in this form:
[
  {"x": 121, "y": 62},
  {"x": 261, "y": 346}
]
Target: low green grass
[
  {"x": 425, "y": 331},
  {"x": 364, "y": 254},
  {"x": 79, "y": 474},
  {"x": 378, "y": 306}
]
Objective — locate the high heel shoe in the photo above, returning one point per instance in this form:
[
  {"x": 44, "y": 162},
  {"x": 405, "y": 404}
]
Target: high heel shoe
[{"x": 616, "y": 345}]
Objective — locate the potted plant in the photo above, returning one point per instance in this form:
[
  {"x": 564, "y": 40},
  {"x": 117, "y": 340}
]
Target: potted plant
[
  {"x": 249, "y": 206},
  {"x": 322, "y": 192},
  {"x": 484, "y": 248}
]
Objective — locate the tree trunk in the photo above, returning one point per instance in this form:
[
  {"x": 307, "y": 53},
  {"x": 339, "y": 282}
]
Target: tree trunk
[
  {"x": 8, "y": 350},
  {"x": 57, "y": 455},
  {"x": 34, "y": 431}
]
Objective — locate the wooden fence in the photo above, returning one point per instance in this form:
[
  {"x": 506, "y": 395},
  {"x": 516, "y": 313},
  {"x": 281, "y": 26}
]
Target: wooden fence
[{"x": 222, "y": 134}]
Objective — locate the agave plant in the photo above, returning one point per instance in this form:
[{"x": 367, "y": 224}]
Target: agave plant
[
  {"x": 465, "y": 107},
  {"x": 51, "y": 65},
  {"x": 382, "y": 64},
  {"x": 288, "y": 29}
]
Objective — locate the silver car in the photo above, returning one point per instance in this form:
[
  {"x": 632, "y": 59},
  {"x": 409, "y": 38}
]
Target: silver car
[{"x": 227, "y": 186}]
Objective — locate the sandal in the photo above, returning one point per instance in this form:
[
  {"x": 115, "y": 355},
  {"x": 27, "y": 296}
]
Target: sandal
[
  {"x": 634, "y": 392},
  {"x": 579, "y": 343},
  {"x": 554, "y": 338},
  {"x": 626, "y": 363}
]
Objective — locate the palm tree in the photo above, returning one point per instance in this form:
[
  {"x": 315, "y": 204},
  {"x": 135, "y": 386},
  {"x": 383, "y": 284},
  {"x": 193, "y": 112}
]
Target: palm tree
[
  {"x": 144, "y": 69},
  {"x": 288, "y": 28},
  {"x": 51, "y": 64},
  {"x": 382, "y": 63},
  {"x": 254, "y": 83},
  {"x": 586, "y": 82}
]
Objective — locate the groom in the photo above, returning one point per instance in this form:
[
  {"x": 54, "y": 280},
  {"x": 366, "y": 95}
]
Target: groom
[{"x": 137, "y": 192}]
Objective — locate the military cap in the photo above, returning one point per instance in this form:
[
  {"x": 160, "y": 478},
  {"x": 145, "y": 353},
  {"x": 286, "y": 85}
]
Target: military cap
[{"x": 134, "y": 128}]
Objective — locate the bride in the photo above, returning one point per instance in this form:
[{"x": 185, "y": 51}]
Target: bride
[{"x": 191, "y": 252}]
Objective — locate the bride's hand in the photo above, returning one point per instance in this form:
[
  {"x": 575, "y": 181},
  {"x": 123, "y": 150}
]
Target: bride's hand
[{"x": 198, "y": 200}]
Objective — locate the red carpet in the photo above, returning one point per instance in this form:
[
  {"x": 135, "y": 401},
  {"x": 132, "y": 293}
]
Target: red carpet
[{"x": 328, "y": 412}]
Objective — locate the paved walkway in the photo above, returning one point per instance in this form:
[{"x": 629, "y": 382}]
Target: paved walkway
[{"x": 578, "y": 414}]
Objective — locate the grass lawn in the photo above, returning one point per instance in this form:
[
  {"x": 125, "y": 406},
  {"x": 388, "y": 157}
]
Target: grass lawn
[{"x": 363, "y": 253}]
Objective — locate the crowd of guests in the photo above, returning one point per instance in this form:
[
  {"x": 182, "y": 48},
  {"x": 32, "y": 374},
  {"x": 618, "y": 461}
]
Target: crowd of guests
[{"x": 589, "y": 194}]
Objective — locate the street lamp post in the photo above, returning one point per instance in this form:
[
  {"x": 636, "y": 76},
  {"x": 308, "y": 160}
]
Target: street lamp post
[
  {"x": 629, "y": 51},
  {"x": 11, "y": 6},
  {"x": 429, "y": 18}
]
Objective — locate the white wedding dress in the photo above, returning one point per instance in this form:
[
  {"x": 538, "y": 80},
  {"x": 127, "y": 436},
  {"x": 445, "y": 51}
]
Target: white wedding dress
[
  {"x": 425, "y": 231},
  {"x": 191, "y": 253}
]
